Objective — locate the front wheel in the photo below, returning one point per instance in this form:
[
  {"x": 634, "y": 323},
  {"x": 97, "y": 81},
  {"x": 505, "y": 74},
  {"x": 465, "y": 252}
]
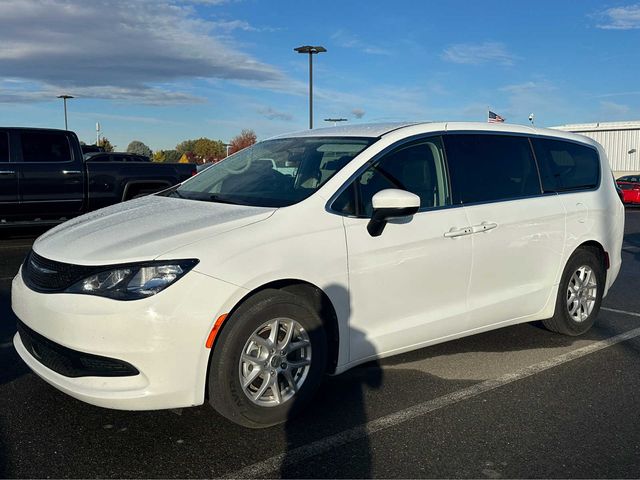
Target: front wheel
[
  {"x": 268, "y": 361},
  {"x": 579, "y": 294}
]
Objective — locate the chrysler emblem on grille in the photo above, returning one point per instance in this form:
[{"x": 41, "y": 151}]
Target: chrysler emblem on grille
[{"x": 42, "y": 269}]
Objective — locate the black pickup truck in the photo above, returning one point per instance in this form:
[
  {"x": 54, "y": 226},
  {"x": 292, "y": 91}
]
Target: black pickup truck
[{"x": 44, "y": 178}]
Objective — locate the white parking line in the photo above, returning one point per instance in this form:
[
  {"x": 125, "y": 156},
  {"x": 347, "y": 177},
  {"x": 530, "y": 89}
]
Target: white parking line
[
  {"x": 323, "y": 445},
  {"x": 615, "y": 310}
]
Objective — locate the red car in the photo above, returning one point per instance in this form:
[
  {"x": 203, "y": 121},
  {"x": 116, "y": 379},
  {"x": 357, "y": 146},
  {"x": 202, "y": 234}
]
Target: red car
[{"x": 630, "y": 186}]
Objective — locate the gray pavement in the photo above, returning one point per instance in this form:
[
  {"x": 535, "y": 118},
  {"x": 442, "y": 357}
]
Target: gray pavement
[{"x": 515, "y": 402}]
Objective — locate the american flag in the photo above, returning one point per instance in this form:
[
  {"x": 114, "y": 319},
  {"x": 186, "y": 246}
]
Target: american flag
[{"x": 494, "y": 118}]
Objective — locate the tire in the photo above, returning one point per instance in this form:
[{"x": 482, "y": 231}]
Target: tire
[
  {"x": 301, "y": 369},
  {"x": 579, "y": 294}
]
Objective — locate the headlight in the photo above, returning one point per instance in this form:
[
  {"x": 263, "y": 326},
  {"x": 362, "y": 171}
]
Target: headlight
[{"x": 131, "y": 282}]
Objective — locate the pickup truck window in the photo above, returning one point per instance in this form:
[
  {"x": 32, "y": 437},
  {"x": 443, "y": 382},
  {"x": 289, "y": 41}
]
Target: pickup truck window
[
  {"x": 45, "y": 147},
  {"x": 4, "y": 147}
]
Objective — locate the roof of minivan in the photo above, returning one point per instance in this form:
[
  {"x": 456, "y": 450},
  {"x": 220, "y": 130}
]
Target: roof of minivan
[
  {"x": 369, "y": 130},
  {"x": 376, "y": 130}
]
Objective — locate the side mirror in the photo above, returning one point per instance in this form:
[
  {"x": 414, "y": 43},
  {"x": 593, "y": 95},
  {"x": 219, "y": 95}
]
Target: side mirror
[{"x": 391, "y": 203}]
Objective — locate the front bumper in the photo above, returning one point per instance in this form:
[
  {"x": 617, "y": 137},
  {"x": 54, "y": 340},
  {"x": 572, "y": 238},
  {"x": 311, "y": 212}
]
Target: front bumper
[{"x": 162, "y": 337}]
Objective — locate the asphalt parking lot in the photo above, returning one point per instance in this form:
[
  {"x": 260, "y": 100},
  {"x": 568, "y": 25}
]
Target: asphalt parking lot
[{"x": 516, "y": 402}]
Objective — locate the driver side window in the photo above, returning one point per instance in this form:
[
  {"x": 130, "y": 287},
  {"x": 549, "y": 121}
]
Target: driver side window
[{"x": 417, "y": 168}]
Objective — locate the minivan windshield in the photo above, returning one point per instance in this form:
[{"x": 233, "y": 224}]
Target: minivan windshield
[{"x": 273, "y": 173}]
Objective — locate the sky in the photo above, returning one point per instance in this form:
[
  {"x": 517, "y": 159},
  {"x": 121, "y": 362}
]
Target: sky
[{"x": 165, "y": 71}]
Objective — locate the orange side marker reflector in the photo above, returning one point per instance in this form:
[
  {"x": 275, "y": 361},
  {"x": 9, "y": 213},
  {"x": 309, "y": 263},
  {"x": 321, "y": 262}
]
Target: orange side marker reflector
[{"x": 215, "y": 329}]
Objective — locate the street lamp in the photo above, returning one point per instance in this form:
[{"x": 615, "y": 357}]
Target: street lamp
[
  {"x": 311, "y": 50},
  {"x": 64, "y": 99},
  {"x": 335, "y": 120}
]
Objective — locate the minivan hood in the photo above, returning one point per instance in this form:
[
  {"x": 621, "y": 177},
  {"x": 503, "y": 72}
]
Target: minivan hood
[{"x": 142, "y": 229}]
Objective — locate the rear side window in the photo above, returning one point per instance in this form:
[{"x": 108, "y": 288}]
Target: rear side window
[
  {"x": 4, "y": 147},
  {"x": 487, "y": 168},
  {"x": 45, "y": 147},
  {"x": 566, "y": 166}
]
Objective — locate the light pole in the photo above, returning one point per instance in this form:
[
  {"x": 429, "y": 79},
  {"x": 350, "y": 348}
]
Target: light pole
[
  {"x": 64, "y": 99},
  {"x": 311, "y": 50},
  {"x": 335, "y": 120}
]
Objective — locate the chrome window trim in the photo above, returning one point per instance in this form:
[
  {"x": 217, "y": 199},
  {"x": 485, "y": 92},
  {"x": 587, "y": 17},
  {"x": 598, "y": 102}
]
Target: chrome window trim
[{"x": 442, "y": 133}]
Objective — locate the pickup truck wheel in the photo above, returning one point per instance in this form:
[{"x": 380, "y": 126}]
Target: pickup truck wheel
[
  {"x": 268, "y": 361},
  {"x": 579, "y": 294}
]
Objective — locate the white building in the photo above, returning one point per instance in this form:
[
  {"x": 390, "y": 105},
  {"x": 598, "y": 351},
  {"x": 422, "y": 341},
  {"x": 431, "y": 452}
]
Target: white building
[{"x": 621, "y": 141}]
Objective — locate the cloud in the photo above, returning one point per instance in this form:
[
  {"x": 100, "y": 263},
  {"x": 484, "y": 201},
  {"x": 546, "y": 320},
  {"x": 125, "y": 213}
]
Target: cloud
[
  {"x": 476, "y": 54},
  {"x": 540, "y": 96},
  {"x": 346, "y": 39},
  {"x": 620, "y": 18},
  {"x": 611, "y": 109},
  {"x": 617, "y": 94},
  {"x": 358, "y": 112},
  {"x": 272, "y": 114},
  {"x": 120, "y": 49}
]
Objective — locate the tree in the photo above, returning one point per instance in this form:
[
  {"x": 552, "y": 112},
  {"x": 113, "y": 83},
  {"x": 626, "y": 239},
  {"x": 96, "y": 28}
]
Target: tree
[
  {"x": 244, "y": 140},
  {"x": 139, "y": 148},
  {"x": 186, "y": 146},
  {"x": 202, "y": 150},
  {"x": 207, "y": 150},
  {"x": 166, "y": 156},
  {"x": 171, "y": 156},
  {"x": 159, "y": 156},
  {"x": 106, "y": 144}
]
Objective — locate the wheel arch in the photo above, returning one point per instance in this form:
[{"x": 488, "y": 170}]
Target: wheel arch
[
  {"x": 597, "y": 249},
  {"x": 317, "y": 299}
]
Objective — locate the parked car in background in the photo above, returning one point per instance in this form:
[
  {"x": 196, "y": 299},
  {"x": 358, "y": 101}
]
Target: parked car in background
[
  {"x": 91, "y": 148},
  {"x": 204, "y": 166},
  {"x": 244, "y": 285},
  {"x": 630, "y": 179},
  {"x": 44, "y": 178},
  {"x": 115, "y": 157},
  {"x": 630, "y": 187}
]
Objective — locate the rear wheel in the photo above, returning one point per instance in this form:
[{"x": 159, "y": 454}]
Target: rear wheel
[
  {"x": 579, "y": 294},
  {"x": 268, "y": 361}
]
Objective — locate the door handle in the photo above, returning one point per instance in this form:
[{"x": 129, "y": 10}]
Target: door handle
[
  {"x": 7, "y": 172},
  {"x": 458, "y": 232},
  {"x": 71, "y": 172},
  {"x": 484, "y": 226}
]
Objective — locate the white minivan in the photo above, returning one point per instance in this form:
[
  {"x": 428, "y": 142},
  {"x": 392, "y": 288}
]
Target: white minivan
[{"x": 313, "y": 252}]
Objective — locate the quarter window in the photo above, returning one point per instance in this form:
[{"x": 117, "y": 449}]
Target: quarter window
[
  {"x": 487, "y": 168},
  {"x": 45, "y": 147},
  {"x": 565, "y": 165},
  {"x": 417, "y": 168}
]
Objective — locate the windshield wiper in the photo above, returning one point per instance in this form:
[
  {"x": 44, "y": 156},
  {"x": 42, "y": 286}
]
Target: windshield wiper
[
  {"x": 219, "y": 199},
  {"x": 173, "y": 191}
]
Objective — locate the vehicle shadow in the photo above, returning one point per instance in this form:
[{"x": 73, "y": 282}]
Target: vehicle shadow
[{"x": 296, "y": 427}]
